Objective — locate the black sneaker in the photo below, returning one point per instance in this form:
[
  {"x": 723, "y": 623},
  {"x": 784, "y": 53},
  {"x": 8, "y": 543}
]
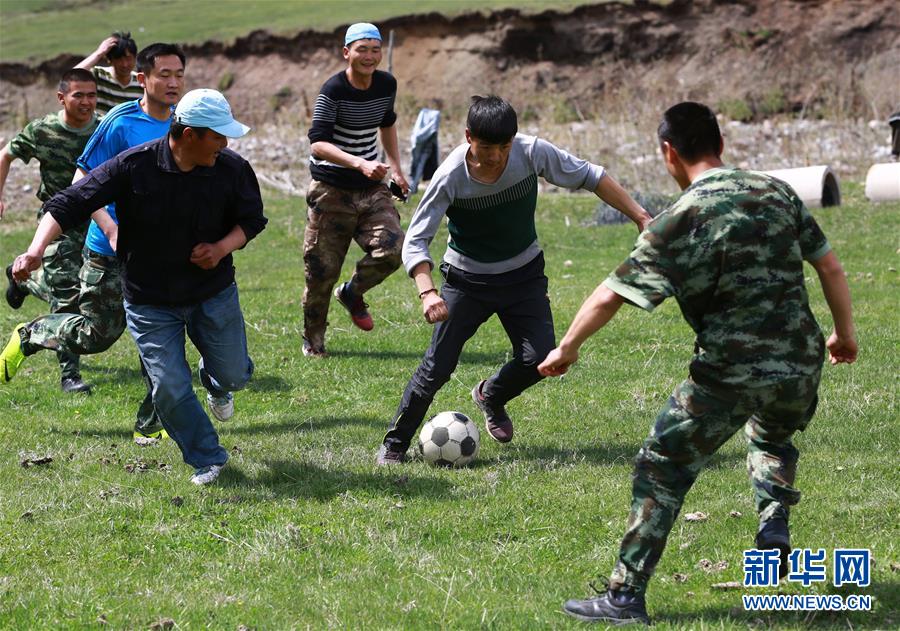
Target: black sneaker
[
  {"x": 496, "y": 420},
  {"x": 74, "y": 384},
  {"x": 774, "y": 535},
  {"x": 614, "y": 608},
  {"x": 387, "y": 456},
  {"x": 15, "y": 295}
]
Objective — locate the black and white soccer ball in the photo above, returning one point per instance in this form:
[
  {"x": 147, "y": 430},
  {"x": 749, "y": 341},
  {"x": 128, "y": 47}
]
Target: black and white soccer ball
[{"x": 450, "y": 439}]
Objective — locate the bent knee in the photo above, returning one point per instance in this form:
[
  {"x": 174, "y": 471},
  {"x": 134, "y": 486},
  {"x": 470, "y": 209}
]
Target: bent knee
[{"x": 232, "y": 379}]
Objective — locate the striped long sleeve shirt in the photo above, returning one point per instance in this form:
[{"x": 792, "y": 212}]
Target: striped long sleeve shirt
[{"x": 350, "y": 118}]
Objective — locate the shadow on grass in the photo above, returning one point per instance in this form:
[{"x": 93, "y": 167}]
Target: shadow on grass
[
  {"x": 466, "y": 358},
  {"x": 286, "y": 478},
  {"x": 298, "y": 427},
  {"x": 604, "y": 454},
  {"x": 100, "y": 374},
  {"x": 268, "y": 383},
  {"x": 304, "y": 425}
]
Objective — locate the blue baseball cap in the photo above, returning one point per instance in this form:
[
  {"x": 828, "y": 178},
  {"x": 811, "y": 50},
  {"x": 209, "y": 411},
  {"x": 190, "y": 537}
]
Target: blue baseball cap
[
  {"x": 361, "y": 30},
  {"x": 208, "y": 108}
]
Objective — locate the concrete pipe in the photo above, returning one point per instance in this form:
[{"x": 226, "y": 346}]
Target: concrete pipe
[
  {"x": 883, "y": 182},
  {"x": 816, "y": 186}
]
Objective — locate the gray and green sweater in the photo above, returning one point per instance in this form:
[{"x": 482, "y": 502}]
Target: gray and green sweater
[{"x": 492, "y": 225}]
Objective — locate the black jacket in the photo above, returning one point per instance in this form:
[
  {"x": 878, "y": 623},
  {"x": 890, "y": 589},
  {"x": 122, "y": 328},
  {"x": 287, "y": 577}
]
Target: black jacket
[{"x": 163, "y": 213}]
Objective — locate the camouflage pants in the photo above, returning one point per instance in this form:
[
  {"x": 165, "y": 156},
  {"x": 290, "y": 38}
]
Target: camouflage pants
[
  {"x": 695, "y": 422},
  {"x": 335, "y": 217},
  {"x": 97, "y": 324},
  {"x": 56, "y": 282},
  {"x": 98, "y": 320}
]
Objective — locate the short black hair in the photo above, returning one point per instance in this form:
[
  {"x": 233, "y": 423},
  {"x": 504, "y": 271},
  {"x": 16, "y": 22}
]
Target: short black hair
[
  {"x": 146, "y": 59},
  {"x": 492, "y": 120},
  {"x": 75, "y": 74},
  {"x": 176, "y": 130},
  {"x": 124, "y": 45},
  {"x": 692, "y": 129}
]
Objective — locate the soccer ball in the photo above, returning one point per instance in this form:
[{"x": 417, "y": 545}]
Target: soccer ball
[{"x": 450, "y": 439}]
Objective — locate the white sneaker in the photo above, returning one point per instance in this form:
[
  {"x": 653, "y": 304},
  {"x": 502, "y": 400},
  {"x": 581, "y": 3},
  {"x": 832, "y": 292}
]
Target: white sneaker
[
  {"x": 221, "y": 407},
  {"x": 206, "y": 475}
]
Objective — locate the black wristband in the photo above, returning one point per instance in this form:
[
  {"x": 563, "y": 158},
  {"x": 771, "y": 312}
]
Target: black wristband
[{"x": 422, "y": 294}]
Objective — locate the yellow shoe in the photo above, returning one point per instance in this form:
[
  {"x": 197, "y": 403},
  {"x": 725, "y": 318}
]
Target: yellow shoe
[
  {"x": 152, "y": 438},
  {"x": 12, "y": 356}
]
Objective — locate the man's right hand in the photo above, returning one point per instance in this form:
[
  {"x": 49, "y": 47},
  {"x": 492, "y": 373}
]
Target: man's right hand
[
  {"x": 106, "y": 45},
  {"x": 24, "y": 265},
  {"x": 842, "y": 350},
  {"x": 434, "y": 308},
  {"x": 374, "y": 170}
]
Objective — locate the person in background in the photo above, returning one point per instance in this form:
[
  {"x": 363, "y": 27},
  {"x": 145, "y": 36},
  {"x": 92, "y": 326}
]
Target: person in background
[
  {"x": 347, "y": 199},
  {"x": 117, "y": 82},
  {"x": 56, "y": 141}
]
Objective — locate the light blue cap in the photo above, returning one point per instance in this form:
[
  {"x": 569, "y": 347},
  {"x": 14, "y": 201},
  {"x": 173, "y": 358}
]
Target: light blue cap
[
  {"x": 208, "y": 108},
  {"x": 361, "y": 30}
]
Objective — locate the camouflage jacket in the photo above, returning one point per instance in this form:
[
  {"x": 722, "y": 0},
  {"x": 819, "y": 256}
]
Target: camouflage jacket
[
  {"x": 56, "y": 146},
  {"x": 731, "y": 250}
]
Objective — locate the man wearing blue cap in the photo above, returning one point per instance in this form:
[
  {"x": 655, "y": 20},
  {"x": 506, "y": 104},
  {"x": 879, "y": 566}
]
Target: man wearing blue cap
[
  {"x": 184, "y": 204},
  {"x": 348, "y": 199}
]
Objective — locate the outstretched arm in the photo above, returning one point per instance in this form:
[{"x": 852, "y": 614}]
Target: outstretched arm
[
  {"x": 6, "y": 159},
  {"x": 47, "y": 230},
  {"x": 613, "y": 194},
  {"x": 842, "y": 346},
  {"x": 597, "y": 310}
]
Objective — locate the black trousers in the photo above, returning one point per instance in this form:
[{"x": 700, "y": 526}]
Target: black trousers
[{"x": 519, "y": 298}]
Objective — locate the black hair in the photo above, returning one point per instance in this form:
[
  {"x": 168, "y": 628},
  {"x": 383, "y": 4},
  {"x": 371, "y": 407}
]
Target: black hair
[
  {"x": 692, "y": 129},
  {"x": 146, "y": 59},
  {"x": 176, "y": 130},
  {"x": 75, "y": 74},
  {"x": 492, "y": 120},
  {"x": 124, "y": 45}
]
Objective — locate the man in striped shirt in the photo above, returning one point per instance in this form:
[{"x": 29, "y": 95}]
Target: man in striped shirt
[
  {"x": 348, "y": 198},
  {"x": 117, "y": 82}
]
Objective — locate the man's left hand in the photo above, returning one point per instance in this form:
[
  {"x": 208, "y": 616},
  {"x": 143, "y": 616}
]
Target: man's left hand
[
  {"x": 401, "y": 181},
  {"x": 206, "y": 255}
]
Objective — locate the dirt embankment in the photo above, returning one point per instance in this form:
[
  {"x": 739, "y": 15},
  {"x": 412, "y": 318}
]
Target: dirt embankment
[
  {"x": 593, "y": 80},
  {"x": 750, "y": 57}
]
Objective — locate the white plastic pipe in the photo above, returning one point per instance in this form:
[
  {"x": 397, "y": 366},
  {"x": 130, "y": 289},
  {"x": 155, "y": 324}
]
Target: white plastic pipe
[
  {"x": 883, "y": 182},
  {"x": 817, "y": 186}
]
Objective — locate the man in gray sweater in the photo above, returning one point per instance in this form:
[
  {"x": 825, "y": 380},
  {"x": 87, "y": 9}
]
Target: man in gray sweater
[{"x": 488, "y": 190}]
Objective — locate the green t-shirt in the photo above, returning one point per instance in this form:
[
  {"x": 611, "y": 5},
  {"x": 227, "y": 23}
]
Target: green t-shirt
[
  {"x": 731, "y": 250},
  {"x": 56, "y": 146}
]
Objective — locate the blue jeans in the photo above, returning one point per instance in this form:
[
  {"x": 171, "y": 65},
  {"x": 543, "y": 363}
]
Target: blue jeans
[{"x": 216, "y": 327}]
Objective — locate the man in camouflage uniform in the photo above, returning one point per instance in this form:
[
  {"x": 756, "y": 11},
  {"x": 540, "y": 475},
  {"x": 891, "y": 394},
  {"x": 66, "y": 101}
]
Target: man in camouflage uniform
[
  {"x": 347, "y": 199},
  {"x": 100, "y": 319},
  {"x": 730, "y": 250},
  {"x": 56, "y": 140}
]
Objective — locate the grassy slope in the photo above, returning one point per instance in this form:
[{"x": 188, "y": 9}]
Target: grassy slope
[
  {"x": 40, "y": 29},
  {"x": 304, "y": 531}
]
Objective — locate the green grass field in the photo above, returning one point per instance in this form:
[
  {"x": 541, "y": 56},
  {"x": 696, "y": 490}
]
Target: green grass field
[
  {"x": 40, "y": 29},
  {"x": 303, "y": 531}
]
